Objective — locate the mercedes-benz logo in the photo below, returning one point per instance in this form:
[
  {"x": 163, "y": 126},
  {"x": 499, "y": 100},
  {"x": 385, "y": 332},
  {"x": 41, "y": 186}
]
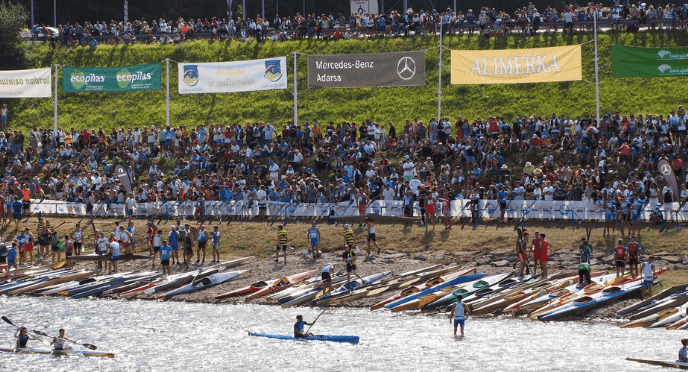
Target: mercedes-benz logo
[
  {"x": 406, "y": 68},
  {"x": 666, "y": 169}
]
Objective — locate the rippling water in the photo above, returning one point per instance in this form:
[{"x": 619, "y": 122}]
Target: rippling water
[{"x": 173, "y": 336}]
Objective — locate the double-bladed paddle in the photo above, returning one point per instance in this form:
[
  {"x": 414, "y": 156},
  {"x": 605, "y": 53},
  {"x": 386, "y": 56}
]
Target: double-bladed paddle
[{"x": 89, "y": 346}]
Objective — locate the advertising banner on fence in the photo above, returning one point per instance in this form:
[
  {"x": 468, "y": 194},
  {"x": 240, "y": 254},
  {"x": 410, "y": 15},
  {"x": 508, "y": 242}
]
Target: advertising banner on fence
[
  {"x": 397, "y": 69},
  {"x": 363, "y": 7},
  {"x": 25, "y": 83},
  {"x": 231, "y": 77},
  {"x": 111, "y": 79},
  {"x": 649, "y": 62},
  {"x": 508, "y": 66}
]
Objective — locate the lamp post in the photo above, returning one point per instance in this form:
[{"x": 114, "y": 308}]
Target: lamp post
[{"x": 55, "y": 13}]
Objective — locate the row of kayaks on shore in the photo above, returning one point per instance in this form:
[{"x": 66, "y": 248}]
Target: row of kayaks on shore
[{"x": 667, "y": 309}]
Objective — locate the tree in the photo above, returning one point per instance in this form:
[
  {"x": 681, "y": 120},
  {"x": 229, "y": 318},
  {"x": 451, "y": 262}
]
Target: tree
[{"x": 13, "y": 18}]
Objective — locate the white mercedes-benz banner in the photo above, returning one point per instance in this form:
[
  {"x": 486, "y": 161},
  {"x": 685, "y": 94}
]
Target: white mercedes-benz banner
[
  {"x": 229, "y": 77},
  {"x": 363, "y": 7},
  {"x": 25, "y": 83}
]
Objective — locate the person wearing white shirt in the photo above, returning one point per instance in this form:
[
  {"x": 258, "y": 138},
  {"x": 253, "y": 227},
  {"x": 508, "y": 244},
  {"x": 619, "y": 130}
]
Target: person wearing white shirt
[
  {"x": 409, "y": 169},
  {"x": 414, "y": 184},
  {"x": 548, "y": 191},
  {"x": 387, "y": 193},
  {"x": 274, "y": 171},
  {"x": 519, "y": 191}
]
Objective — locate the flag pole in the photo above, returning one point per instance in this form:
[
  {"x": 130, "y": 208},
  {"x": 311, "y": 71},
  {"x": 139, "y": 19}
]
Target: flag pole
[
  {"x": 439, "y": 85},
  {"x": 57, "y": 72},
  {"x": 296, "y": 94},
  {"x": 167, "y": 98}
]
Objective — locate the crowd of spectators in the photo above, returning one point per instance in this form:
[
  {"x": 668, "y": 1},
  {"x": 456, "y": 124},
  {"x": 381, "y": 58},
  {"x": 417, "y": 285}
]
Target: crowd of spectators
[
  {"x": 487, "y": 21},
  {"x": 426, "y": 164}
]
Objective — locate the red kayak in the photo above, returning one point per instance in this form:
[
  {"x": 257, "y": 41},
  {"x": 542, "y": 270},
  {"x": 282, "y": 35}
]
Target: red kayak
[
  {"x": 280, "y": 284},
  {"x": 253, "y": 287}
]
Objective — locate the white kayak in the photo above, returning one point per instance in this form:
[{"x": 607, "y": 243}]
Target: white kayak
[
  {"x": 207, "y": 282},
  {"x": 88, "y": 353}
]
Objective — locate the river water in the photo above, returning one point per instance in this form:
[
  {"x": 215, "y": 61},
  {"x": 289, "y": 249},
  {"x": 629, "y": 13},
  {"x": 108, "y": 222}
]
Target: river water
[{"x": 175, "y": 336}]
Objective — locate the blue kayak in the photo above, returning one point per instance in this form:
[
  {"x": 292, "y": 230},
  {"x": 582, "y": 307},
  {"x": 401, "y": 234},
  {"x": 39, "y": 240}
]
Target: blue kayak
[
  {"x": 333, "y": 338},
  {"x": 435, "y": 288}
]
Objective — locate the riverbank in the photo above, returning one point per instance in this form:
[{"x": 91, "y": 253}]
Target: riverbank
[{"x": 403, "y": 249}]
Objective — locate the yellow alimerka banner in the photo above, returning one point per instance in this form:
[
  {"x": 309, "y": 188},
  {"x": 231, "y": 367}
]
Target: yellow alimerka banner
[{"x": 516, "y": 65}]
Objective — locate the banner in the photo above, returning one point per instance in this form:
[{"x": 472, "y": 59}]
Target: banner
[
  {"x": 25, "y": 83},
  {"x": 111, "y": 79},
  {"x": 668, "y": 173},
  {"x": 649, "y": 62},
  {"x": 123, "y": 175},
  {"x": 516, "y": 65},
  {"x": 397, "y": 69},
  {"x": 363, "y": 7},
  {"x": 230, "y": 77}
]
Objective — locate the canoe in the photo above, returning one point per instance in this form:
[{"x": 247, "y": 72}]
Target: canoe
[
  {"x": 332, "y": 338},
  {"x": 674, "y": 300},
  {"x": 204, "y": 283},
  {"x": 251, "y": 288},
  {"x": 659, "y": 296},
  {"x": 459, "y": 279},
  {"x": 607, "y": 295},
  {"x": 676, "y": 364},
  {"x": 346, "y": 288},
  {"x": 54, "y": 281},
  {"x": 546, "y": 295},
  {"x": 280, "y": 284},
  {"x": 105, "y": 257},
  {"x": 511, "y": 297},
  {"x": 100, "y": 288},
  {"x": 662, "y": 318},
  {"x": 465, "y": 291},
  {"x": 434, "y": 280},
  {"x": 87, "y": 353}
]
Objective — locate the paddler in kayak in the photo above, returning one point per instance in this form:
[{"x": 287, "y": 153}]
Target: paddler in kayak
[
  {"x": 459, "y": 314},
  {"x": 298, "y": 327},
  {"x": 59, "y": 341},
  {"x": 22, "y": 335},
  {"x": 683, "y": 352},
  {"x": 648, "y": 277}
]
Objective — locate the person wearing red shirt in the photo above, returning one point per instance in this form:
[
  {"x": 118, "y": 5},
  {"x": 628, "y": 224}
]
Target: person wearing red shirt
[
  {"x": 543, "y": 256},
  {"x": 535, "y": 247},
  {"x": 620, "y": 258}
]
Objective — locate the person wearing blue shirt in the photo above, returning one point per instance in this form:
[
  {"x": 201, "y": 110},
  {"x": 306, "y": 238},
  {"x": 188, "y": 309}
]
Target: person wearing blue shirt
[
  {"x": 16, "y": 207},
  {"x": 216, "y": 244},
  {"x": 173, "y": 237},
  {"x": 225, "y": 194},
  {"x": 502, "y": 197},
  {"x": 12, "y": 259},
  {"x": 165, "y": 253}
]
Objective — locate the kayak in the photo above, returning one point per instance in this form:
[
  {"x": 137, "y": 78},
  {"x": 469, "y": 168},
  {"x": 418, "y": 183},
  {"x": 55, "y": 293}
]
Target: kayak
[
  {"x": 201, "y": 284},
  {"x": 251, "y": 288},
  {"x": 674, "y": 300},
  {"x": 659, "y": 296},
  {"x": 606, "y": 295},
  {"x": 512, "y": 297},
  {"x": 53, "y": 281},
  {"x": 280, "y": 284},
  {"x": 332, "y": 338},
  {"x": 462, "y": 278},
  {"x": 99, "y": 289},
  {"x": 156, "y": 283},
  {"x": 417, "y": 288},
  {"x": 662, "y": 318},
  {"x": 466, "y": 290},
  {"x": 87, "y": 353},
  {"x": 676, "y": 364},
  {"x": 350, "y": 287}
]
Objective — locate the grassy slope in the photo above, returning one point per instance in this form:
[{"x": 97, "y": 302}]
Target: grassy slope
[{"x": 381, "y": 104}]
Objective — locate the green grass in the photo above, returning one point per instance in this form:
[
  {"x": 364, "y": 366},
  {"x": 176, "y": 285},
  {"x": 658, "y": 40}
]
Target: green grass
[{"x": 77, "y": 110}]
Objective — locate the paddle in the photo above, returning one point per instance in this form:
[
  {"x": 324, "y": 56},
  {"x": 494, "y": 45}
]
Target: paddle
[
  {"x": 89, "y": 346},
  {"x": 17, "y": 327},
  {"x": 316, "y": 319}
]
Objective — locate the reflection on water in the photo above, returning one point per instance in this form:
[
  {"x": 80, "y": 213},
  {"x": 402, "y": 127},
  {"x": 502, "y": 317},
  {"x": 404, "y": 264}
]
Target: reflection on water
[{"x": 173, "y": 336}]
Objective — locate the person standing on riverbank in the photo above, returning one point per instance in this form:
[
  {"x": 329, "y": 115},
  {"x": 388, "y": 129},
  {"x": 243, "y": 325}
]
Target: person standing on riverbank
[
  {"x": 535, "y": 250},
  {"x": 349, "y": 237},
  {"x": 542, "y": 256},
  {"x": 585, "y": 249},
  {"x": 648, "y": 277},
  {"x": 620, "y": 258},
  {"x": 459, "y": 314},
  {"x": 157, "y": 243},
  {"x": 326, "y": 277},
  {"x": 349, "y": 256},
  {"x": 522, "y": 252},
  {"x": 281, "y": 243},
  {"x": 314, "y": 238},
  {"x": 216, "y": 244},
  {"x": 202, "y": 243},
  {"x": 12, "y": 259},
  {"x": 173, "y": 239},
  {"x": 114, "y": 255},
  {"x": 584, "y": 273},
  {"x": 370, "y": 227},
  {"x": 78, "y": 236},
  {"x": 633, "y": 249},
  {"x": 165, "y": 254}
]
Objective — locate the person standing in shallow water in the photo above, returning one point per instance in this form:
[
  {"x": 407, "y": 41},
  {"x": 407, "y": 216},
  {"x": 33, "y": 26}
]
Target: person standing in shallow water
[{"x": 459, "y": 314}]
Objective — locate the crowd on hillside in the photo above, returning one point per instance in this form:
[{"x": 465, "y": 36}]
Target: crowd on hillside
[
  {"x": 526, "y": 20},
  {"x": 426, "y": 164}
]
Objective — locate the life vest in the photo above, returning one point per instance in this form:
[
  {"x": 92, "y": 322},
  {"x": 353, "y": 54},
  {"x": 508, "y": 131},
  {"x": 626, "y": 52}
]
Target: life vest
[
  {"x": 282, "y": 235},
  {"x": 619, "y": 252},
  {"x": 632, "y": 249}
]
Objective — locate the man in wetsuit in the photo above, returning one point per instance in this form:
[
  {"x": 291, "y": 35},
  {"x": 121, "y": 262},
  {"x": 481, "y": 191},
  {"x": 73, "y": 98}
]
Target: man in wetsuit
[{"x": 298, "y": 327}]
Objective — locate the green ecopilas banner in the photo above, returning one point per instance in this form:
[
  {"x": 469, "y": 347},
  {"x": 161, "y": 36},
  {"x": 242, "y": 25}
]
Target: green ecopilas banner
[
  {"x": 111, "y": 79},
  {"x": 649, "y": 62}
]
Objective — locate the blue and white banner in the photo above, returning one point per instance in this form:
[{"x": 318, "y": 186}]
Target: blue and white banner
[
  {"x": 231, "y": 77},
  {"x": 541, "y": 210}
]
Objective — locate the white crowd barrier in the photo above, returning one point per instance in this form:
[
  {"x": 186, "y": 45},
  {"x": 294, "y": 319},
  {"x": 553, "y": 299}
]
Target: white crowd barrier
[{"x": 545, "y": 210}]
